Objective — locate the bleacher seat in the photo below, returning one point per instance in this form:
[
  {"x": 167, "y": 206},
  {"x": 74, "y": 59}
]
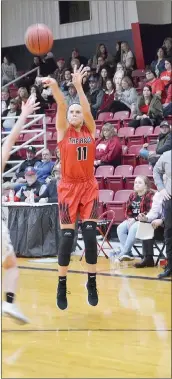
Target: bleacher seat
[
  {"x": 105, "y": 116},
  {"x": 99, "y": 124},
  {"x": 132, "y": 156},
  {"x": 116, "y": 182},
  {"x": 140, "y": 135},
  {"x": 105, "y": 170},
  {"x": 122, "y": 115},
  {"x": 124, "y": 170},
  {"x": 100, "y": 181},
  {"x": 145, "y": 170},
  {"x": 97, "y": 134},
  {"x": 104, "y": 196},
  {"x": 154, "y": 136},
  {"x": 118, "y": 205},
  {"x": 124, "y": 133}
]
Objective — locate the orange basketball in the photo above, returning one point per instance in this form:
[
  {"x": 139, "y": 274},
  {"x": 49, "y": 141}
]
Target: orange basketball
[{"x": 39, "y": 39}]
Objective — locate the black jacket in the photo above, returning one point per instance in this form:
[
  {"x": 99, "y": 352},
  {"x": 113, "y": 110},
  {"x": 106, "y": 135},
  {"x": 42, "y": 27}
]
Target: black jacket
[
  {"x": 27, "y": 163},
  {"x": 50, "y": 192},
  {"x": 164, "y": 143}
]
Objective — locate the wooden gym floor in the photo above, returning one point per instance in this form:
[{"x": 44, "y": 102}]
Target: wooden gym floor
[{"x": 128, "y": 335}]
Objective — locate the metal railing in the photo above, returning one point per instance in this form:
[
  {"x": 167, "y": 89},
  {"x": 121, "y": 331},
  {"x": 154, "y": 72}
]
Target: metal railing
[
  {"x": 39, "y": 132},
  {"x": 22, "y": 76}
]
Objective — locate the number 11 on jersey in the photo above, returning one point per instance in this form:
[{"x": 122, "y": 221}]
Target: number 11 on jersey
[{"x": 82, "y": 153}]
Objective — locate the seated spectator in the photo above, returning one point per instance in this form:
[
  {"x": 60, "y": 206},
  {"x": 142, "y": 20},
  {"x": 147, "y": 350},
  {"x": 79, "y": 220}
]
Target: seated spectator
[
  {"x": 164, "y": 143},
  {"x": 95, "y": 95},
  {"x": 76, "y": 55},
  {"x": 108, "y": 147},
  {"x": 50, "y": 193},
  {"x": 127, "y": 57},
  {"x": 156, "y": 84},
  {"x": 8, "y": 71},
  {"x": 60, "y": 70},
  {"x": 38, "y": 98},
  {"x": 22, "y": 96},
  {"x": 128, "y": 96},
  {"x": 167, "y": 45},
  {"x": 72, "y": 96},
  {"x": 158, "y": 65},
  {"x": 167, "y": 106},
  {"x": 156, "y": 217},
  {"x": 49, "y": 64},
  {"x": 108, "y": 96},
  {"x": 119, "y": 74},
  {"x": 44, "y": 167},
  {"x": 117, "y": 56},
  {"x": 11, "y": 112},
  {"x": 166, "y": 76},
  {"x": 148, "y": 109},
  {"x": 32, "y": 186},
  {"x": 104, "y": 75},
  {"x": 67, "y": 79},
  {"x": 103, "y": 53},
  {"x": 85, "y": 80},
  {"x": 5, "y": 99},
  {"x": 30, "y": 161},
  {"x": 100, "y": 65},
  {"x": 74, "y": 62},
  {"x": 140, "y": 201}
]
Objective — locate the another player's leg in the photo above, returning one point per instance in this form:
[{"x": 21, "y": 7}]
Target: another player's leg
[
  {"x": 64, "y": 254},
  {"x": 10, "y": 279},
  {"x": 89, "y": 236}
]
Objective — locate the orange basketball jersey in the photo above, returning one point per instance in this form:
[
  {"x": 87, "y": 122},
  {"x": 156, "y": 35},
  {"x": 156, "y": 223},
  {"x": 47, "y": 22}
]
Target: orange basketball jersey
[{"x": 77, "y": 154}]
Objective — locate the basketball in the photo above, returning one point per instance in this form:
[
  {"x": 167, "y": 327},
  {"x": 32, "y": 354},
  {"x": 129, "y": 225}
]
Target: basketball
[{"x": 39, "y": 39}]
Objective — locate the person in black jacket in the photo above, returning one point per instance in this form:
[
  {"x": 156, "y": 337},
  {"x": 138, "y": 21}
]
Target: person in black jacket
[{"x": 164, "y": 144}]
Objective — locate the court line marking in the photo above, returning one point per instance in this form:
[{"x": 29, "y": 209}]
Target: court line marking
[
  {"x": 98, "y": 273},
  {"x": 85, "y": 330}
]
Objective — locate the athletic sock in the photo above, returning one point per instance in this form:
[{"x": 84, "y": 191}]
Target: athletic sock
[
  {"x": 10, "y": 297},
  {"x": 62, "y": 279},
  {"x": 91, "y": 277}
]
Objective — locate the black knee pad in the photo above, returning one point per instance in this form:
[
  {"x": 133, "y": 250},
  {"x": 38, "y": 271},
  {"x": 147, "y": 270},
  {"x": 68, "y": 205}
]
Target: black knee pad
[
  {"x": 89, "y": 236},
  {"x": 65, "y": 246}
]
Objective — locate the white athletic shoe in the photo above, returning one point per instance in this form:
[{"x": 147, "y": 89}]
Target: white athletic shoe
[{"x": 11, "y": 310}]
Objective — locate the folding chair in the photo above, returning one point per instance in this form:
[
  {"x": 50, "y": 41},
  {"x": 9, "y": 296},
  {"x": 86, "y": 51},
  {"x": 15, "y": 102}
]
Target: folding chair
[{"x": 102, "y": 221}]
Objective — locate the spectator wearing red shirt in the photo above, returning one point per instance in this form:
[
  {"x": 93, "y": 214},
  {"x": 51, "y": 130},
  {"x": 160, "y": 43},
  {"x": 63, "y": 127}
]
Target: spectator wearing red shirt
[
  {"x": 108, "y": 96},
  {"x": 108, "y": 147},
  {"x": 166, "y": 76},
  {"x": 140, "y": 201},
  {"x": 157, "y": 85}
]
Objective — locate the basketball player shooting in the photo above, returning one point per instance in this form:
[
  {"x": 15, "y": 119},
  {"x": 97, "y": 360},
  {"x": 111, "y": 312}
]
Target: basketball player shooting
[
  {"x": 78, "y": 188},
  {"x": 9, "y": 264}
]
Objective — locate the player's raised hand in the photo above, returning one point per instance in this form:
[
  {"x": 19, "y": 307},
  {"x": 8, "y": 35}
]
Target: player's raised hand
[
  {"x": 78, "y": 75},
  {"x": 29, "y": 107}
]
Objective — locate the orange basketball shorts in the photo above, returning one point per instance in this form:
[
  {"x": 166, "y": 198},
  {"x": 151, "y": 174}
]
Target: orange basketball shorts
[{"x": 77, "y": 200}]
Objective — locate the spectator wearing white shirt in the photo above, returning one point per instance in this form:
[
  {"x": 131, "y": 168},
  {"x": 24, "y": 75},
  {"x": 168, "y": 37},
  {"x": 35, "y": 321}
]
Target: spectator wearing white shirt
[{"x": 127, "y": 57}]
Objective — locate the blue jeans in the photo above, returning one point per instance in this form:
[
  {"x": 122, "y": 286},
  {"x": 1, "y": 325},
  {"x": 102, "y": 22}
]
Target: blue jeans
[
  {"x": 127, "y": 236},
  {"x": 144, "y": 153}
]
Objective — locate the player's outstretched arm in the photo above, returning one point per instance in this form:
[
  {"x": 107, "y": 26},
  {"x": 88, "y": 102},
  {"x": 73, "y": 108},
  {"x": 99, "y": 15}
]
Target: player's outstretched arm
[
  {"x": 77, "y": 77},
  {"x": 27, "y": 109},
  {"x": 61, "y": 122}
]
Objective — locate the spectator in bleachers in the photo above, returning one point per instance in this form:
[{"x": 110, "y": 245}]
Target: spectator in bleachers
[
  {"x": 22, "y": 96},
  {"x": 158, "y": 65},
  {"x": 44, "y": 167},
  {"x": 38, "y": 98},
  {"x": 60, "y": 71},
  {"x": 140, "y": 201},
  {"x": 50, "y": 193},
  {"x": 11, "y": 112},
  {"x": 74, "y": 62},
  {"x": 67, "y": 79},
  {"x": 8, "y": 71},
  {"x": 163, "y": 166},
  {"x": 108, "y": 147},
  {"x": 76, "y": 55},
  {"x": 167, "y": 106},
  {"x": 148, "y": 109},
  {"x": 108, "y": 96},
  {"x": 31, "y": 185},
  {"x": 104, "y": 75},
  {"x": 72, "y": 96},
  {"x": 102, "y": 52},
  {"x": 156, "y": 84},
  {"x": 119, "y": 74},
  {"x": 164, "y": 143},
  {"x": 166, "y": 76},
  {"x": 167, "y": 45},
  {"x": 128, "y": 96},
  {"x": 56, "y": 170},
  {"x": 156, "y": 217},
  {"x": 85, "y": 81},
  {"x": 30, "y": 161},
  {"x": 49, "y": 64},
  {"x": 5, "y": 99},
  {"x": 127, "y": 57},
  {"x": 95, "y": 95},
  {"x": 117, "y": 56}
]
